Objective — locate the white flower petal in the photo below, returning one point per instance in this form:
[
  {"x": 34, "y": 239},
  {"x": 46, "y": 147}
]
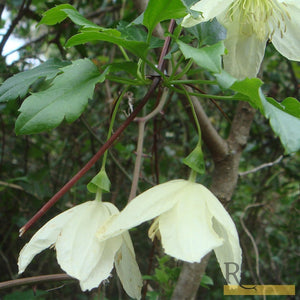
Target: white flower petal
[
  {"x": 189, "y": 21},
  {"x": 78, "y": 249},
  {"x": 209, "y": 10},
  {"x": 186, "y": 230},
  {"x": 144, "y": 207},
  {"x": 44, "y": 237},
  {"x": 230, "y": 251},
  {"x": 128, "y": 269},
  {"x": 103, "y": 266},
  {"x": 245, "y": 52},
  {"x": 288, "y": 42}
]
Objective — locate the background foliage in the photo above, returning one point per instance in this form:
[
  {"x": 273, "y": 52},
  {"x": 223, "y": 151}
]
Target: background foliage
[{"x": 34, "y": 167}]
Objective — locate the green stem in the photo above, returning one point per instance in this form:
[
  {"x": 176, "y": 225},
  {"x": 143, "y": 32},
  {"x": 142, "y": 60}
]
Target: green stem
[
  {"x": 99, "y": 195},
  {"x": 176, "y": 67},
  {"x": 203, "y": 95},
  {"x": 192, "y": 81},
  {"x": 194, "y": 114},
  {"x": 124, "y": 53},
  {"x": 112, "y": 121},
  {"x": 185, "y": 69},
  {"x": 124, "y": 80},
  {"x": 193, "y": 176}
]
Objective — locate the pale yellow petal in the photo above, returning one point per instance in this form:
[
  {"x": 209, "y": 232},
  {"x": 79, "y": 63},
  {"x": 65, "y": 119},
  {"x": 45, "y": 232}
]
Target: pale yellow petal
[
  {"x": 286, "y": 37},
  {"x": 45, "y": 237},
  {"x": 103, "y": 265},
  {"x": 78, "y": 249},
  {"x": 144, "y": 207},
  {"x": 186, "y": 230},
  {"x": 245, "y": 51},
  {"x": 208, "y": 9},
  {"x": 128, "y": 269},
  {"x": 229, "y": 255},
  {"x": 230, "y": 251}
]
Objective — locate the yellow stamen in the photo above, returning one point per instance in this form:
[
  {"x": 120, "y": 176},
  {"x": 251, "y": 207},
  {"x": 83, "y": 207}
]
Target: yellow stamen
[
  {"x": 154, "y": 229},
  {"x": 259, "y": 16}
]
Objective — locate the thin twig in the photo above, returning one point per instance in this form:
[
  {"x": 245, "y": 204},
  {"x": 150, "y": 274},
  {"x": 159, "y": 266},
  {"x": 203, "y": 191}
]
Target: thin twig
[
  {"x": 14, "y": 24},
  {"x": 3, "y": 142},
  {"x": 138, "y": 160},
  {"x": 252, "y": 239},
  {"x": 265, "y": 165},
  {"x": 99, "y": 140},
  {"x": 11, "y": 185},
  {"x": 213, "y": 101},
  {"x": 28, "y": 44},
  {"x": 34, "y": 280},
  {"x": 139, "y": 152}
]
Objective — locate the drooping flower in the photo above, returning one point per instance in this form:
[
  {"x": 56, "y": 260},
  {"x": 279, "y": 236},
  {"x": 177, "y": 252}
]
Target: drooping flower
[
  {"x": 250, "y": 24},
  {"x": 80, "y": 254},
  {"x": 190, "y": 222}
]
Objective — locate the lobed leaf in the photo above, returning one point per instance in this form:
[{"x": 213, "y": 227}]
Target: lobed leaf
[
  {"x": 161, "y": 10},
  {"x": 55, "y": 15},
  {"x": 65, "y": 99},
  {"x": 249, "y": 90},
  {"x": 60, "y": 12},
  {"x": 208, "y": 57},
  {"x": 137, "y": 48},
  {"x": 19, "y": 84},
  {"x": 285, "y": 121},
  {"x": 78, "y": 19}
]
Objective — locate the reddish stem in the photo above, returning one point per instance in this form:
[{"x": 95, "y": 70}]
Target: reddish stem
[
  {"x": 92, "y": 161},
  {"x": 109, "y": 142}
]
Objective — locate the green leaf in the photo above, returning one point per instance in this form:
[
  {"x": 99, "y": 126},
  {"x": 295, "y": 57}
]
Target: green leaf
[
  {"x": 195, "y": 160},
  {"x": 65, "y": 99},
  {"x": 28, "y": 295},
  {"x": 127, "y": 66},
  {"x": 19, "y": 84},
  {"x": 100, "y": 181},
  {"x": 289, "y": 105},
  {"x": 161, "y": 10},
  {"x": 55, "y": 15},
  {"x": 137, "y": 48},
  {"x": 206, "y": 281},
  {"x": 208, "y": 57},
  {"x": 208, "y": 33},
  {"x": 284, "y": 123},
  {"x": 225, "y": 80},
  {"x": 249, "y": 90},
  {"x": 78, "y": 19},
  {"x": 137, "y": 33},
  {"x": 61, "y": 12}
]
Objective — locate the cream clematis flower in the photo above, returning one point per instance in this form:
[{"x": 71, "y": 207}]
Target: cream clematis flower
[
  {"x": 190, "y": 221},
  {"x": 249, "y": 24},
  {"x": 80, "y": 254}
]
